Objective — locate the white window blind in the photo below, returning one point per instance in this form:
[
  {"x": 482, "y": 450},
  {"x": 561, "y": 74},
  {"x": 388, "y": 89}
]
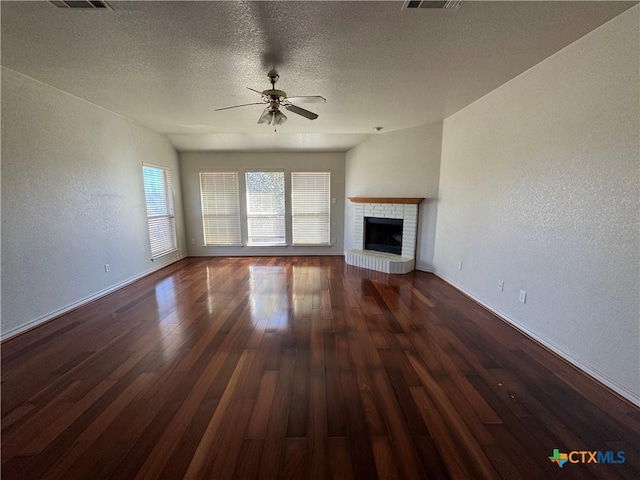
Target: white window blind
[
  {"x": 160, "y": 216},
  {"x": 310, "y": 207},
  {"x": 219, "y": 195},
  {"x": 265, "y": 208}
]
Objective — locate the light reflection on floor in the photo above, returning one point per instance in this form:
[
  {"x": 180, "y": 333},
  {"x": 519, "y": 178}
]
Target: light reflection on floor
[
  {"x": 304, "y": 278},
  {"x": 214, "y": 282},
  {"x": 269, "y": 296},
  {"x": 169, "y": 326},
  {"x": 165, "y": 296}
]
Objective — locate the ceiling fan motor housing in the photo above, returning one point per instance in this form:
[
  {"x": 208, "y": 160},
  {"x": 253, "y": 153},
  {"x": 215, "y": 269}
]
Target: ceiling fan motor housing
[
  {"x": 274, "y": 105},
  {"x": 273, "y": 95}
]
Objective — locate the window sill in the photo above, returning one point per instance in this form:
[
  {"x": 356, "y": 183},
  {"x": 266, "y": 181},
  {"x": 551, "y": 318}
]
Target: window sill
[
  {"x": 297, "y": 245},
  {"x": 222, "y": 245},
  {"x": 266, "y": 246},
  {"x": 311, "y": 245}
]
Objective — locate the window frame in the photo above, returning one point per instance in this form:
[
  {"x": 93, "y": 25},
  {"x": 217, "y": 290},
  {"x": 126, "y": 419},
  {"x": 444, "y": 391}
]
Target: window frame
[
  {"x": 293, "y": 206},
  {"x": 238, "y": 239},
  {"x": 248, "y": 215},
  {"x": 167, "y": 188}
]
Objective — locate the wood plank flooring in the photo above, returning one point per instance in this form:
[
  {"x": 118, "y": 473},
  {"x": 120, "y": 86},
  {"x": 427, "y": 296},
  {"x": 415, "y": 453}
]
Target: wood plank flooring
[{"x": 298, "y": 367}]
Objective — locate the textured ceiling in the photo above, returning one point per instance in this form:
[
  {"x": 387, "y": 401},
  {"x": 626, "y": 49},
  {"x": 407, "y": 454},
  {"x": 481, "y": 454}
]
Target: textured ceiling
[{"x": 168, "y": 65}]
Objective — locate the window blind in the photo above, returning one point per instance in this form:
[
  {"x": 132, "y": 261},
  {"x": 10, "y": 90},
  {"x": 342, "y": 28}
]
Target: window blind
[
  {"x": 220, "y": 208},
  {"x": 265, "y": 208},
  {"x": 310, "y": 207},
  {"x": 160, "y": 216}
]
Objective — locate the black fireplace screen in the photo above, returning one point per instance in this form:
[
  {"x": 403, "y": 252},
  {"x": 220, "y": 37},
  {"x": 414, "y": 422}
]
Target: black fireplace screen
[{"x": 383, "y": 234}]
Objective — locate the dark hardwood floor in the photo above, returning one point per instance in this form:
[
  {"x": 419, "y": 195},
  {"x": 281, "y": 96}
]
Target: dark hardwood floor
[{"x": 299, "y": 367}]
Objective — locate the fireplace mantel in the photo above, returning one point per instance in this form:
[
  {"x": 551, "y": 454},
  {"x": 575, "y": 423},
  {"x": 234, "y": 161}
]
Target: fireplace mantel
[{"x": 404, "y": 201}]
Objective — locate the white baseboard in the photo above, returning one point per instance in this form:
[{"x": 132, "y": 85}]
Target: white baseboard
[
  {"x": 587, "y": 369},
  {"x": 421, "y": 268},
  {"x": 72, "y": 306}
]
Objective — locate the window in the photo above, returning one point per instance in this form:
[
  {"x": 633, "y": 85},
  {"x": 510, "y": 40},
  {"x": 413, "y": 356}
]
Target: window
[
  {"x": 265, "y": 208},
  {"x": 160, "y": 217},
  {"x": 310, "y": 206},
  {"x": 220, "y": 208}
]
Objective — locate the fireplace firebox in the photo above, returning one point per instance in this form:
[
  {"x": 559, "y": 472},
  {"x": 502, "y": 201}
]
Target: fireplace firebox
[{"x": 383, "y": 234}]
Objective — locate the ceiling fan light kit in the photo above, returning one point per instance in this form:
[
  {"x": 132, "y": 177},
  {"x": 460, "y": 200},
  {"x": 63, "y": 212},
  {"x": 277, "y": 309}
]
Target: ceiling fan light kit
[
  {"x": 272, "y": 117},
  {"x": 276, "y": 99}
]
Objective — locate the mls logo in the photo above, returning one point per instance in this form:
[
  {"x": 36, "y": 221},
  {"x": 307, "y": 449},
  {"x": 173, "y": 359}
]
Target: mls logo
[
  {"x": 587, "y": 456},
  {"x": 559, "y": 458}
]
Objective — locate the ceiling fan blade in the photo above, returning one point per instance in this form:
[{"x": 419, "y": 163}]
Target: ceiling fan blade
[
  {"x": 237, "y": 106},
  {"x": 310, "y": 99},
  {"x": 254, "y": 90},
  {"x": 302, "y": 112}
]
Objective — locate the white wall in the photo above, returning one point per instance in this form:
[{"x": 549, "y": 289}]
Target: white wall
[
  {"x": 72, "y": 200},
  {"x": 404, "y": 163},
  {"x": 539, "y": 188},
  {"x": 192, "y": 163}
]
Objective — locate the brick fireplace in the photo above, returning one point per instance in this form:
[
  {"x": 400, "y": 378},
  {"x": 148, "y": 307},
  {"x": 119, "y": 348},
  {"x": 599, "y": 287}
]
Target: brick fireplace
[{"x": 405, "y": 209}]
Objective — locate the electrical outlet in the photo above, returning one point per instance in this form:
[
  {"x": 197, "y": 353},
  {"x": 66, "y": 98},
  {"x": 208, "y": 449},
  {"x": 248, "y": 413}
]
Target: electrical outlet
[
  {"x": 459, "y": 265},
  {"x": 501, "y": 286},
  {"x": 333, "y": 240},
  {"x": 522, "y": 297},
  {"x": 107, "y": 267},
  {"x": 193, "y": 241}
]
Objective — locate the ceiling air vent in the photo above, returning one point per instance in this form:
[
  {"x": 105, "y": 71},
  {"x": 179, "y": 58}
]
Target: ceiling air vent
[
  {"x": 447, "y": 5},
  {"x": 77, "y": 4}
]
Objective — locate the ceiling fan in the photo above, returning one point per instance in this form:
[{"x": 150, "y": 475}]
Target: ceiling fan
[{"x": 274, "y": 99}]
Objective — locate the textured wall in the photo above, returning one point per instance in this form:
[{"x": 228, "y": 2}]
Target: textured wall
[
  {"x": 404, "y": 163},
  {"x": 192, "y": 163},
  {"x": 539, "y": 188},
  {"x": 72, "y": 200}
]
